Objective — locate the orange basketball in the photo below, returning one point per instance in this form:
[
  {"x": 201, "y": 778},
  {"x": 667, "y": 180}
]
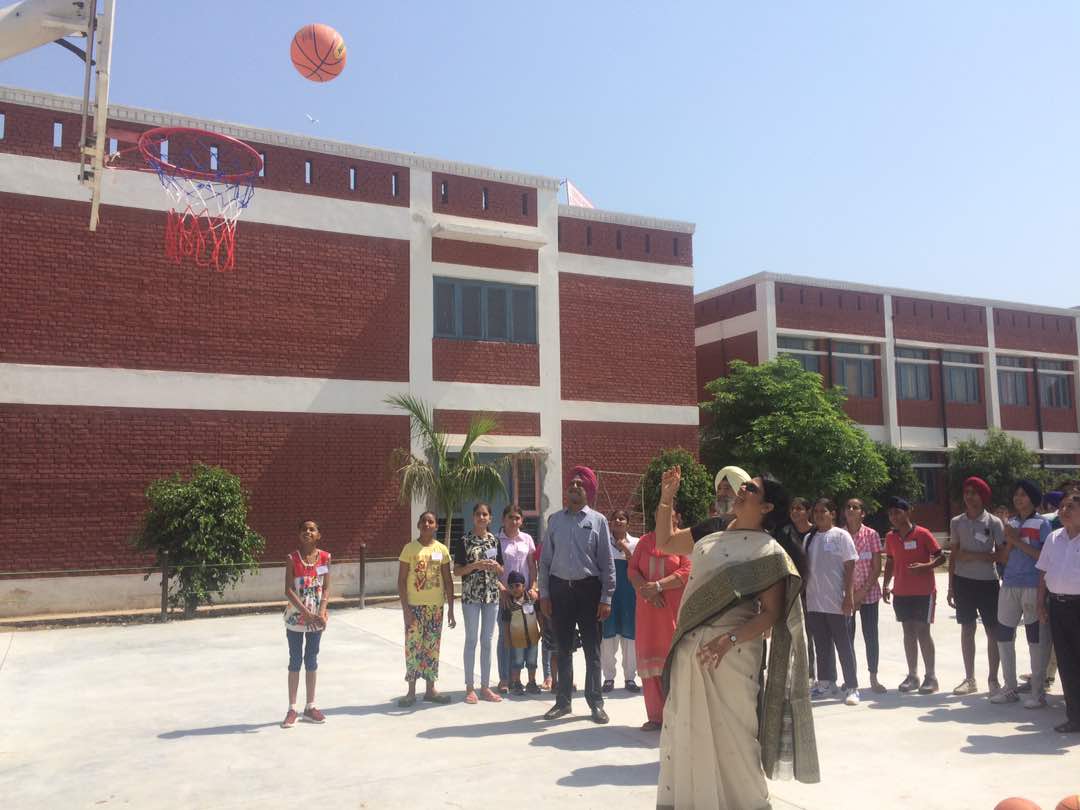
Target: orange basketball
[
  {"x": 1069, "y": 803},
  {"x": 318, "y": 52},
  {"x": 1016, "y": 803}
]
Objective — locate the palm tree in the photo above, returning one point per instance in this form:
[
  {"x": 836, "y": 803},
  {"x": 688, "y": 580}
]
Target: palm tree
[{"x": 447, "y": 479}]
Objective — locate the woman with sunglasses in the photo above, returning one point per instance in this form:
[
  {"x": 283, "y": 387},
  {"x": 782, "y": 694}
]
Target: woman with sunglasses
[{"x": 713, "y": 750}]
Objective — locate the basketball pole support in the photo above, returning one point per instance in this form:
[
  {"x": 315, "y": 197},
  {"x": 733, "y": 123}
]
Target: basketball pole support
[{"x": 92, "y": 151}]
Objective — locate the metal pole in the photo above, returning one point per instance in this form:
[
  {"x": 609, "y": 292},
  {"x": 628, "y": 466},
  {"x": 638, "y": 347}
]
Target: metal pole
[
  {"x": 363, "y": 574},
  {"x": 164, "y": 586}
]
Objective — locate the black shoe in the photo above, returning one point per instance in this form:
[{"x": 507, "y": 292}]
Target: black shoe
[
  {"x": 517, "y": 689},
  {"x": 631, "y": 686},
  {"x": 599, "y": 715},
  {"x": 1069, "y": 727},
  {"x": 533, "y": 688},
  {"x": 608, "y": 686},
  {"x": 557, "y": 711}
]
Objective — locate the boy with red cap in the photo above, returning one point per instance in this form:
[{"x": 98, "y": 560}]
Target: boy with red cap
[{"x": 975, "y": 537}]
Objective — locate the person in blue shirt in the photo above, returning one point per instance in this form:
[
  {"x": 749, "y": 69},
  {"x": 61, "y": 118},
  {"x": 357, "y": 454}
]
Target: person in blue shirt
[
  {"x": 577, "y": 582},
  {"x": 1025, "y": 534}
]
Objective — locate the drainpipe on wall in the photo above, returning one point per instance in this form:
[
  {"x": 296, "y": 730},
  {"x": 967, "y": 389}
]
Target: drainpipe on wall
[
  {"x": 1038, "y": 403},
  {"x": 944, "y": 408}
]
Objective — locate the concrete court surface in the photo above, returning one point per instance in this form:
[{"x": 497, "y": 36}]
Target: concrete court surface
[{"x": 186, "y": 715}]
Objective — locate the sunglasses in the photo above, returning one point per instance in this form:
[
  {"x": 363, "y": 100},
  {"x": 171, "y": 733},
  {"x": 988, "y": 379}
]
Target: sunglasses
[{"x": 751, "y": 487}]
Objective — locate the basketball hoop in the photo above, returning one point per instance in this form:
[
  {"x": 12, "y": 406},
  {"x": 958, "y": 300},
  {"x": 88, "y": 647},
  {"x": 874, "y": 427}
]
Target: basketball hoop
[{"x": 210, "y": 179}]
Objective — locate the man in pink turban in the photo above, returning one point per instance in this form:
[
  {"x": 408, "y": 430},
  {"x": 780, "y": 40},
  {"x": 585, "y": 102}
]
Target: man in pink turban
[{"x": 577, "y": 582}]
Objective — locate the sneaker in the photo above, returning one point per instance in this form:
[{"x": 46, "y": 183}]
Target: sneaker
[
  {"x": 290, "y": 719},
  {"x": 1036, "y": 701},
  {"x": 929, "y": 685},
  {"x": 851, "y": 697},
  {"x": 313, "y": 715},
  {"x": 909, "y": 684},
  {"x": 966, "y": 687},
  {"x": 823, "y": 689},
  {"x": 1006, "y": 695}
]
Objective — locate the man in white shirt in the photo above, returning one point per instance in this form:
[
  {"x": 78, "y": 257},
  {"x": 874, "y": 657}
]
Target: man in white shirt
[{"x": 1059, "y": 600}]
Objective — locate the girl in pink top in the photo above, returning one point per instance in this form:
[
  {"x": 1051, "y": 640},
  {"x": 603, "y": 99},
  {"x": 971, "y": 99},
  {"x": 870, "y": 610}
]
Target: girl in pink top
[{"x": 867, "y": 589}]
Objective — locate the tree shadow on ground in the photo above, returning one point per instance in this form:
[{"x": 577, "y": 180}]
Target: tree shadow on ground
[
  {"x": 1039, "y": 742},
  {"x": 524, "y": 725},
  {"x": 594, "y": 738},
  {"x": 253, "y": 728},
  {"x": 646, "y": 773}
]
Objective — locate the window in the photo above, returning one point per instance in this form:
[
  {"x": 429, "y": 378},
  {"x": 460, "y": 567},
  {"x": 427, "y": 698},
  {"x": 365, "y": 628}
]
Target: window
[
  {"x": 262, "y": 164},
  {"x": 961, "y": 357},
  {"x": 1012, "y": 362},
  {"x": 57, "y": 135},
  {"x": 472, "y": 310},
  {"x": 393, "y": 184},
  {"x": 912, "y": 378},
  {"x": 484, "y": 199},
  {"x": 1053, "y": 365},
  {"x": 525, "y": 204},
  {"x": 804, "y": 350},
  {"x": 962, "y": 384},
  {"x": 845, "y": 347},
  {"x": 1055, "y": 390},
  {"x": 444, "y": 192},
  {"x": 213, "y": 158},
  {"x": 1066, "y": 460},
  {"x": 1013, "y": 388},
  {"x": 857, "y": 376},
  {"x": 352, "y": 178},
  {"x": 929, "y": 478},
  {"x": 912, "y": 354},
  {"x": 526, "y": 493},
  {"x": 648, "y": 244},
  {"x": 307, "y": 172},
  {"x": 3, "y": 121}
]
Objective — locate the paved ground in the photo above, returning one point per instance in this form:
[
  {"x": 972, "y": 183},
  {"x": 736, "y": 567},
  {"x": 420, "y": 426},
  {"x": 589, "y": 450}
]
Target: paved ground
[{"x": 186, "y": 714}]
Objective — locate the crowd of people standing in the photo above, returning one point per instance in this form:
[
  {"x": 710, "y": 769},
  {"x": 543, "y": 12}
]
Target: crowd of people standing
[{"x": 734, "y": 625}]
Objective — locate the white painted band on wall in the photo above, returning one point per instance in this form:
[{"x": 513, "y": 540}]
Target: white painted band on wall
[
  {"x": 619, "y": 412},
  {"x": 604, "y": 267},
  {"x": 43, "y": 177},
  {"x": 732, "y": 327}
]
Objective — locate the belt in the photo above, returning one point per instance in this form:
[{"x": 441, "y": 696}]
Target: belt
[
  {"x": 1066, "y": 598},
  {"x": 572, "y": 582}
]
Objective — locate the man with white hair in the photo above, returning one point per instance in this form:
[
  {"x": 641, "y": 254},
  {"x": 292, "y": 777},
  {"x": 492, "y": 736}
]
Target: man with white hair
[{"x": 727, "y": 484}]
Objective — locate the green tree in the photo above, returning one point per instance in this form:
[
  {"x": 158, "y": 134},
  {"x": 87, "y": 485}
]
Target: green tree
[
  {"x": 1000, "y": 461},
  {"x": 777, "y": 417},
  {"x": 696, "y": 492},
  {"x": 901, "y": 480},
  {"x": 198, "y": 528},
  {"x": 442, "y": 477}
]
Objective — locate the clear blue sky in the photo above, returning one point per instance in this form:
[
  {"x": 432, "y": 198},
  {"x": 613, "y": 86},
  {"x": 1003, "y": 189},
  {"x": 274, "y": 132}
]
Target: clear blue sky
[{"x": 929, "y": 145}]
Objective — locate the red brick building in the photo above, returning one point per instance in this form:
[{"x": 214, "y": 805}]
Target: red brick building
[
  {"x": 361, "y": 273},
  {"x": 922, "y": 370}
]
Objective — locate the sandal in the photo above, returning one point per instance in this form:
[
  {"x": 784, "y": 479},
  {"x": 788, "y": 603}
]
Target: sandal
[
  {"x": 489, "y": 696},
  {"x": 437, "y": 697},
  {"x": 649, "y": 725},
  {"x": 470, "y": 698},
  {"x": 406, "y": 701}
]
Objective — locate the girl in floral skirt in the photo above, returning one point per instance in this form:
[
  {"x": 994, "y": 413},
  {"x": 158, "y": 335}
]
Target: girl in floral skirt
[{"x": 424, "y": 585}]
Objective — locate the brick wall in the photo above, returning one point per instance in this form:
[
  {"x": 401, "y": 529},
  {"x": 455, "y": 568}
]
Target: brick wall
[
  {"x": 475, "y": 254},
  {"x": 625, "y": 242},
  {"x": 1034, "y": 332},
  {"x": 485, "y": 361},
  {"x": 829, "y": 310},
  {"x": 510, "y": 423},
  {"x": 300, "y": 303},
  {"x": 72, "y": 480},
  {"x": 727, "y": 305},
  {"x": 621, "y": 448},
  {"x": 29, "y": 131},
  {"x": 937, "y": 322},
  {"x": 714, "y": 359},
  {"x": 464, "y": 197},
  {"x": 614, "y": 347}
]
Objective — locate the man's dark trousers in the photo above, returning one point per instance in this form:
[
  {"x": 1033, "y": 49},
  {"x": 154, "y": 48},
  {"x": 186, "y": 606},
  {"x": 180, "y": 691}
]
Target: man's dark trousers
[{"x": 575, "y": 603}]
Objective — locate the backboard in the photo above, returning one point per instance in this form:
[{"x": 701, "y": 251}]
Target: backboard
[{"x": 30, "y": 24}]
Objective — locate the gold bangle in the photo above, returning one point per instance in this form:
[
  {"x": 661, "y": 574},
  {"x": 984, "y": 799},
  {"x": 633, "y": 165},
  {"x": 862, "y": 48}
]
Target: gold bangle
[{"x": 664, "y": 506}]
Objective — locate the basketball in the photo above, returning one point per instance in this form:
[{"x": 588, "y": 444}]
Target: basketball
[
  {"x": 1069, "y": 803},
  {"x": 318, "y": 52},
  {"x": 1016, "y": 803}
]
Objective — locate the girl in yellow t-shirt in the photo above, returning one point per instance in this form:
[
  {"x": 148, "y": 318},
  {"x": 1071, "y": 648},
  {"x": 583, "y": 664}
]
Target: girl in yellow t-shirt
[{"x": 424, "y": 585}]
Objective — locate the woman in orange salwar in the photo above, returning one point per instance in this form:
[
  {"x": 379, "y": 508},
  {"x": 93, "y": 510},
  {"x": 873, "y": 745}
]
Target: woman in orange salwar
[{"x": 659, "y": 580}]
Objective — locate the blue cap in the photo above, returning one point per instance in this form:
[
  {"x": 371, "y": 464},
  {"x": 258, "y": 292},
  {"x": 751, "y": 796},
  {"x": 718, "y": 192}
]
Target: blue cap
[{"x": 896, "y": 502}]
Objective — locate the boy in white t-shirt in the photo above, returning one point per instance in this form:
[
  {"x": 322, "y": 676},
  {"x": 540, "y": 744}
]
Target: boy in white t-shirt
[{"x": 830, "y": 601}]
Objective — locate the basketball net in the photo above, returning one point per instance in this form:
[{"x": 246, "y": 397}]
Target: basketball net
[{"x": 210, "y": 180}]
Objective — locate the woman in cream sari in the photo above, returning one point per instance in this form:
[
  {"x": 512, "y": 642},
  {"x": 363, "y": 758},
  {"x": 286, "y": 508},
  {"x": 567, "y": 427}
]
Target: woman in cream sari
[{"x": 728, "y": 722}]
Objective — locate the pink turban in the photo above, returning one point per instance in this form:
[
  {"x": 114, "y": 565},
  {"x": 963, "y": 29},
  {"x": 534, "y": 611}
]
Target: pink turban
[{"x": 588, "y": 481}]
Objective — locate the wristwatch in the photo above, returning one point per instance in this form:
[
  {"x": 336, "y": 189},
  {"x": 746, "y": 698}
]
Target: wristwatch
[
  {"x": 659, "y": 586},
  {"x": 734, "y": 639}
]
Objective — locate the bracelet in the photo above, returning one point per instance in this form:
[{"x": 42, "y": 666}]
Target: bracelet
[{"x": 659, "y": 586}]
